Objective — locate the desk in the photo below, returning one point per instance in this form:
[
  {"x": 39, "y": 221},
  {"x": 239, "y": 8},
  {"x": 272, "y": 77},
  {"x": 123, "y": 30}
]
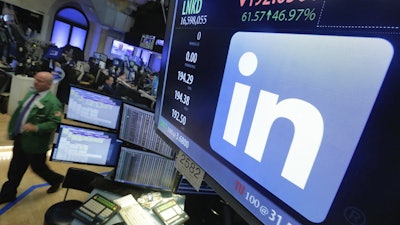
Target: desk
[
  {"x": 134, "y": 95},
  {"x": 117, "y": 218}
]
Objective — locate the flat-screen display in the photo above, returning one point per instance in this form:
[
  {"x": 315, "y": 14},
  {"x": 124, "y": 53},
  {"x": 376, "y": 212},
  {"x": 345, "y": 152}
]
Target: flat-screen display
[
  {"x": 96, "y": 55},
  {"x": 121, "y": 49},
  {"x": 92, "y": 107},
  {"x": 77, "y": 144},
  {"x": 290, "y": 107},
  {"x": 185, "y": 188},
  {"x": 138, "y": 128},
  {"x": 103, "y": 57},
  {"x": 146, "y": 170},
  {"x": 147, "y": 41}
]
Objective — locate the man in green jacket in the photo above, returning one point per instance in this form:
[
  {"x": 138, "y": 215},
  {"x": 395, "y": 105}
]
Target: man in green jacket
[{"x": 32, "y": 126}]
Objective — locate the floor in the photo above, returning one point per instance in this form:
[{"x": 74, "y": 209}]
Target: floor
[{"x": 32, "y": 201}]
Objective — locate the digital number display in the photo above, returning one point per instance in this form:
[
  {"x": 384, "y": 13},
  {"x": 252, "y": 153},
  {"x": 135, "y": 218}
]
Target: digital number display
[{"x": 280, "y": 15}]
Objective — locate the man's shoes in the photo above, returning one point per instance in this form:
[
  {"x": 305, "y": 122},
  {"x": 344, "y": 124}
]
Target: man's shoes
[
  {"x": 4, "y": 199},
  {"x": 53, "y": 188}
]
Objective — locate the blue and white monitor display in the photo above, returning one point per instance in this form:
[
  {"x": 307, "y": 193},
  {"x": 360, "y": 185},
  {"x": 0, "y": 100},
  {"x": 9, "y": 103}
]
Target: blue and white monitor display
[
  {"x": 89, "y": 106},
  {"x": 121, "y": 49},
  {"x": 83, "y": 145}
]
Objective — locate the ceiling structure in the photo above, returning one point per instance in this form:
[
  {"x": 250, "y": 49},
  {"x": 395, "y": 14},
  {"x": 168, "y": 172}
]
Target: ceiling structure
[
  {"x": 124, "y": 6},
  {"x": 117, "y": 14},
  {"x": 129, "y": 6}
]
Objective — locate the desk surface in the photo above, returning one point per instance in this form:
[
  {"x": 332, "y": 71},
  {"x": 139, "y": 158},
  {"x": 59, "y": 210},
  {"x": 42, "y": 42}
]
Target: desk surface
[{"x": 117, "y": 218}]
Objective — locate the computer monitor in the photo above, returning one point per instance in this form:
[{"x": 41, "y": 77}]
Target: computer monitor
[
  {"x": 96, "y": 55},
  {"x": 121, "y": 49},
  {"x": 185, "y": 188},
  {"x": 103, "y": 57},
  {"x": 137, "y": 127},
  {"x": 290, "y": 107},
  {"x": 95, "y": 58},
  {"x": 77, "y": 144},
  {"x": 146, "y": 170},
  {"x": 92, "y": 107},
  {"x": 147, "y": 41}
]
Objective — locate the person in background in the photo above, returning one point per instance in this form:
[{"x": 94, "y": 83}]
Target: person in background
[
  {"x": 108, "y": 85},
  {"x": 32, "y": 126},
  {"x": 154, "y": 87}
]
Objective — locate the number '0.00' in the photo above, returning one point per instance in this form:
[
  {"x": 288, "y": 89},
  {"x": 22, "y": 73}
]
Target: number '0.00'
[{"x": 191, "y": 57}]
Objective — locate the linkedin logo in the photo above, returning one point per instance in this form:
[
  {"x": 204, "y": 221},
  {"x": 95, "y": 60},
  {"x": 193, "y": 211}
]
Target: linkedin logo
[
  {"x": 307, "y": 121},
  {"x": 292, "y": 108}
]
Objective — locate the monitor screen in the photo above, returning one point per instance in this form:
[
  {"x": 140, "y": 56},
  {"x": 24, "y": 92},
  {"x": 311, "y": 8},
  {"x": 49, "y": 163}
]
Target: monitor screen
[
  {"x": 185, "y": 188},
  {"x": 96, "y": 55},
  {"x": 77, "y": 144},
  {"x": 137, "y": 127},
  {"x": 121, "y": 49},
  {"x": 147, "y": 41},
  {"x": 91, "y": 107},
  {"x": 103, "y": 57},
  {"x": 146, "y": 170},
  {"x": 290, "y": 107}
]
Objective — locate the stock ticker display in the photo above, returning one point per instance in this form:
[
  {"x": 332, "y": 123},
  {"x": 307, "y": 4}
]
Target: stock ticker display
[{"x": 290, "y": 105}]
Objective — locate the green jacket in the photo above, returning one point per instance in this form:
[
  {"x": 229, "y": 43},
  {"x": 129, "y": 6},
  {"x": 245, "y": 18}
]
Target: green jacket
[{"x": 46, "y": 117}]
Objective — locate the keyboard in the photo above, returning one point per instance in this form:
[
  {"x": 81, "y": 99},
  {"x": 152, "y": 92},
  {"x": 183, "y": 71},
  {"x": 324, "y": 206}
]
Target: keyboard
[{"x": 132, "y": 212}]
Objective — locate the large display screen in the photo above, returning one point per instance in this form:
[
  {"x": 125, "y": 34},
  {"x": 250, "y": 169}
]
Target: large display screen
[{"x": 290, "y": 106}]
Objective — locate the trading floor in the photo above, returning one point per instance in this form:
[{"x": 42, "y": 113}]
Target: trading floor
[{"x": 33, "y": 201}]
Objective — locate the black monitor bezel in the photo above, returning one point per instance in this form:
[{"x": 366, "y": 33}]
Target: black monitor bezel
[
  {"x": 135, "y": 145},
  {"x": 117, "y": 99},
  {"x": 111, "y": 132},
  {"x": 144, "y": 186}
]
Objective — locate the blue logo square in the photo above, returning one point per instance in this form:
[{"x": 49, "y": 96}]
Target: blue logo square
[{"x": 292, "y": 108}]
